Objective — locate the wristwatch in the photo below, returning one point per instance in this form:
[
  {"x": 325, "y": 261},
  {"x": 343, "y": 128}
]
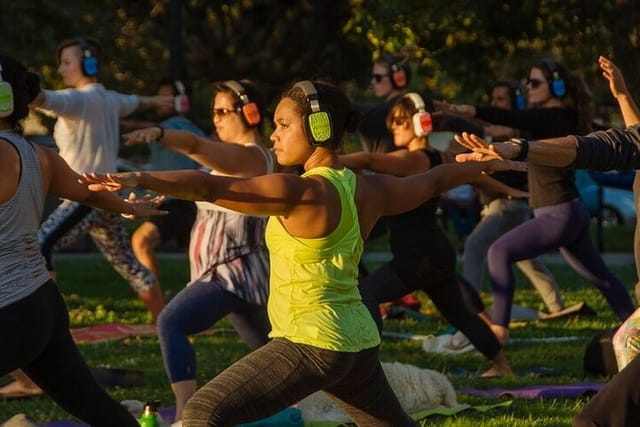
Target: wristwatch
[{"x": 524, "y": 149}]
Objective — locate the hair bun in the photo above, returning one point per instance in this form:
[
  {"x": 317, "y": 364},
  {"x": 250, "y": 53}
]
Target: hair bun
[{"x": 353, "y": 121}]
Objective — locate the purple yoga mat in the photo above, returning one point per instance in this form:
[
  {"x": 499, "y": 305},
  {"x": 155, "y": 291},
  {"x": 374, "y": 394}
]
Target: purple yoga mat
[{"x": 549, "y": 391}]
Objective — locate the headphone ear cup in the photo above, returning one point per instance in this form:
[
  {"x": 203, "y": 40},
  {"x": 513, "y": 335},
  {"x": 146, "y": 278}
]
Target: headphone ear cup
[
  {"x": 399, "y": 77},
  {"x": 521, "y": 102},
  {"x": 181, "y": 103},
  {"x": 422, "y": 123},
  {"x": 318, "y": 127},
  {"x": 6, "y": 99},
  {"x": 251, "y": 114},
  {"x": 558, "y": 88},
  {"x": 90, "y": 66}
]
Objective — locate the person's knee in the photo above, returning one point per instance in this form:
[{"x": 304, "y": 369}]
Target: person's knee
[
  {"x": 145, "y": 238},
  {"x": 499, "y": 253}
]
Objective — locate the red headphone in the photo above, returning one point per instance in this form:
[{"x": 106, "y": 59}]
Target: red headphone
[
  {"x": 250, "y": 111},
  {"x": 397, "y": 72}
]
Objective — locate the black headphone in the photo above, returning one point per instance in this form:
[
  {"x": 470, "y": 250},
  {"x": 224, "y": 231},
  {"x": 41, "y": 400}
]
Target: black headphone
[
  {"x": 6, "y": 97},
  {"x": 89, "y": 62},
  {"x": 318, "y": 126},
  {"x": 556, "y": 83},
  {"x": 249, "y": 109},
  {"x": 397, "y": 72},
  {"x": 422, "y": 122}
]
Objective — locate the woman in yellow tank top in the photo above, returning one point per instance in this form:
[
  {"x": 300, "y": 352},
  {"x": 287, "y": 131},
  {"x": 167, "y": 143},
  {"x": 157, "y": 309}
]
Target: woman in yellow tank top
[{"x": 323, "y": 336}]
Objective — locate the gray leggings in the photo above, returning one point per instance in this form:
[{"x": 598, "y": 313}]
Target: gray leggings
[{"x": 281, "y": 373}]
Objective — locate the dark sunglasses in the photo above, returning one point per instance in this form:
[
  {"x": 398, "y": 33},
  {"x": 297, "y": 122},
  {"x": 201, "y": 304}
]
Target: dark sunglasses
[
  {"x": 378, "y": 77},
  {"x": 399, "y": 120},
  {"x": 534, "y": 83},
  {"x": 221, "y": 112}
]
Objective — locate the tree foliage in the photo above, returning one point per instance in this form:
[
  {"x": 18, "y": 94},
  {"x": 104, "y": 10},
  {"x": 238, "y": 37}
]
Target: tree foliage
[{"x": 457, "y": 47}]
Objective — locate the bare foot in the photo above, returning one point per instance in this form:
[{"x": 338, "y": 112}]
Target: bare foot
[
  {"x": 497, "y": 371},
  {"x": 19, "y": 389},
  {"x": 499, "y": 367}
]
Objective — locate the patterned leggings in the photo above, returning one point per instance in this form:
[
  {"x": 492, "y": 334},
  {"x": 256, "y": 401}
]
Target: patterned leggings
[
  {"x": 71, "y": 220},
  {"x": 281, "y": 373}
]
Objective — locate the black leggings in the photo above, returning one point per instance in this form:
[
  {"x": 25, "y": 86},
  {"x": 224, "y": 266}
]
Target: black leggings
[
  {"x": 281, "y": 373},
  {"x": 433, "y": 270},
  {"x": 35, "y": 337}
]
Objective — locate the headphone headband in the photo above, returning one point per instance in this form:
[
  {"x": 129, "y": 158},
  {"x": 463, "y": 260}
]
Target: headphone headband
[
  {"x": 238, "y": 89},
  {"x": 311, "y": 93},
  {"x": 180, "y": 87},
  {"x": 249, "y": 110},
  {"x": 417, "y": 100}
]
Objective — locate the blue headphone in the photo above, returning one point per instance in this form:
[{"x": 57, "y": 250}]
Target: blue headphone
[
  {"x": 88, "y": 63},
  {"x": 556, "y": 83}
]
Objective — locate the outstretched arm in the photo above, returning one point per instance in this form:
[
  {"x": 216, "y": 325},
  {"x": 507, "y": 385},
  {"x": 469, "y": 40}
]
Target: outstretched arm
[
  {"x": 62, "y": 181},
  {"x": 398, "y": 163},
  {"x": 399, "y": 195},
  {"x": 619, "y": 90},
  {"x": 273, "y": 195},
  {"x": 225, "y": 158},
  {"x": 556, "y": 152}
]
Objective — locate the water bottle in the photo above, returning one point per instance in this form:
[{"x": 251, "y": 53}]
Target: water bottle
[{"x": 149, "y": 417}]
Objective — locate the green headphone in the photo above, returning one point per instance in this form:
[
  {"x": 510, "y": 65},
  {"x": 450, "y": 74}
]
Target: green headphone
[
  {"x": 317, "y": 124},
  {"x": 6, "y": 97}
]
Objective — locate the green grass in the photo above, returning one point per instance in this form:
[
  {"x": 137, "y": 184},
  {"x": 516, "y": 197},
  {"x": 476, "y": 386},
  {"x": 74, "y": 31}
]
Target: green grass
[{"x": 96, "y": 294}]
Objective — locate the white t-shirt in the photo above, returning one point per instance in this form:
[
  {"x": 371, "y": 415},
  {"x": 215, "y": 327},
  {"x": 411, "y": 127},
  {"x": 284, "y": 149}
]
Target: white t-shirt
[{"x": 87, "y": 131}]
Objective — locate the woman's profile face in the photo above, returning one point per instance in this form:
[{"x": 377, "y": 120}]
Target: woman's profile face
[
  {"x": 538, "y": 90},
  {"x": 290, "y": 144},
  {"x": 226, "y": 118},
  {"x": 401, "y": 128},
  {"x": 69, "y": 67}
]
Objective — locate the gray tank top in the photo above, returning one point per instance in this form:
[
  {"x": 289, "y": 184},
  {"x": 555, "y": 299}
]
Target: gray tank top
[{"x": 22, "y": 268}]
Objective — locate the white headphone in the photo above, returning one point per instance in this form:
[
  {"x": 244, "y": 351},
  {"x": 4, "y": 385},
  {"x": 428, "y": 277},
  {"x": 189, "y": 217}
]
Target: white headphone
[
  {"x": 422, "y": 122},
  {"x": 181, "y": 100}
]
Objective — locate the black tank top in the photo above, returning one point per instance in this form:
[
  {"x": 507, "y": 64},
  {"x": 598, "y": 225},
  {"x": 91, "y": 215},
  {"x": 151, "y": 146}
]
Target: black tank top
[{"x": 407, "y": 229}]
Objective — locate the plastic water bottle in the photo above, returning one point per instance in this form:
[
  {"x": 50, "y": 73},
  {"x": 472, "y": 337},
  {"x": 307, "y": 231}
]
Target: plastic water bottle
[{"x": 149, "y": 417}]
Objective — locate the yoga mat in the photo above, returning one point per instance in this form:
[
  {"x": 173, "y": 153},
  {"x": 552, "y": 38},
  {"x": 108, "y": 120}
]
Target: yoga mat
[
  {"x": 443, "y": 411},
  {"x": 540, "y": 391},
  {"x": 291, "y": 417},
  {"x": 109, "y": 332},
  {"x": 116, "y": 331}
]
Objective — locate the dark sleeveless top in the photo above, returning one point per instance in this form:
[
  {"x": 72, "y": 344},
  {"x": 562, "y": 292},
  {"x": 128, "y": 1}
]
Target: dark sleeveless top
[{"x": 407, "y": 229}]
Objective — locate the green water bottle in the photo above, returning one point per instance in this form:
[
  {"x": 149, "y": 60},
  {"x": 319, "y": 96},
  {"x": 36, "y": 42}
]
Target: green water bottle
[{"x": 149, "y": 417}]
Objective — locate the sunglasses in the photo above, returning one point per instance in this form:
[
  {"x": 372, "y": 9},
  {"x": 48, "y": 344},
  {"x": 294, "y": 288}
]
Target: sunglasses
[
  {"x": 378, "y": 77},
  {"x": 221, "y": 112},
  {"x": 399, "y": 120},
  {"x": 534, "y": 83}
]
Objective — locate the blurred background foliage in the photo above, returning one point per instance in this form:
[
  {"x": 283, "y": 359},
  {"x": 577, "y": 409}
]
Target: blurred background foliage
[{"x": 457, "y": 48}]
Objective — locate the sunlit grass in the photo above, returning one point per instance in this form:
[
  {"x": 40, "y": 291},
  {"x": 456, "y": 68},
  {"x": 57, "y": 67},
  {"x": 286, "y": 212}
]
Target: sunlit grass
[{"x": 96, "y": 294}]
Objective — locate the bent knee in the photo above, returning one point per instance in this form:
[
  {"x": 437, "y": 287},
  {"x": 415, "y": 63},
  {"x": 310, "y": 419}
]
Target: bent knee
[{"x": 146, "y": 236}]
